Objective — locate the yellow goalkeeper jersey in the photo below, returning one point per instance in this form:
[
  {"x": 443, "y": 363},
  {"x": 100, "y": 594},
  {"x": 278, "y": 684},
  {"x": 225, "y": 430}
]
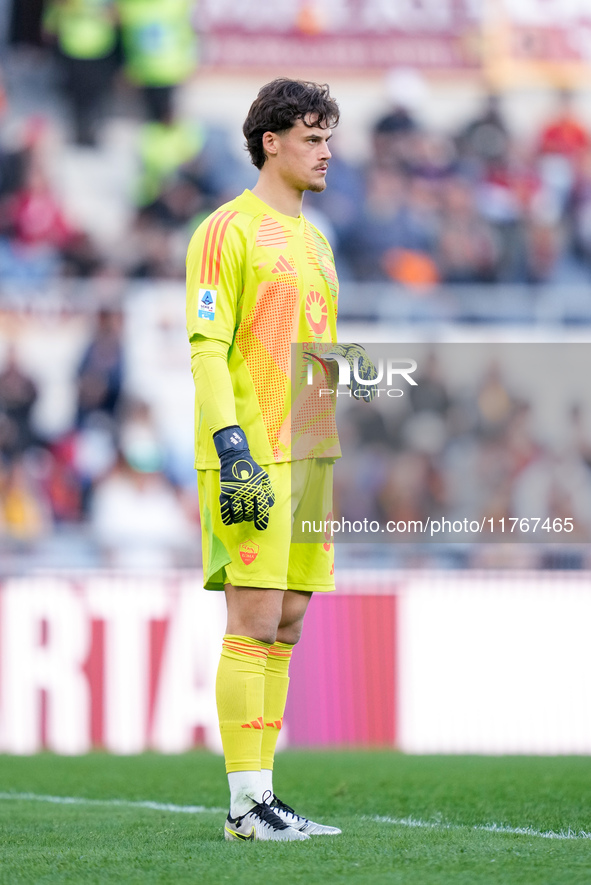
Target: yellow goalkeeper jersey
[{"x": 260, "y": 281}]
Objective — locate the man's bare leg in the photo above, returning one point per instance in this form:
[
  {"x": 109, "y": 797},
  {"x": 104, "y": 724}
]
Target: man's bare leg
[
  {"x": 253, "y": 612},
  {"x": 266, "y": 615}
]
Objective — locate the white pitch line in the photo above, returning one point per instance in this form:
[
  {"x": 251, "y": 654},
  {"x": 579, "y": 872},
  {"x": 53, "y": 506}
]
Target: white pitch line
[
  {"x": 118, "y": 803},
  {"x": 203, "y": 809},
  {"x": 483, "y": 828}
]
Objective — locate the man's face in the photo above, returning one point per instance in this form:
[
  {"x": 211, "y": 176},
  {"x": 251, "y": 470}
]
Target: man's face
[{"x": 302, "y": 156}]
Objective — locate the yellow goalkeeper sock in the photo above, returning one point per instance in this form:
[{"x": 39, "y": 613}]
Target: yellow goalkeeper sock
[
  {"x": 240, "y": 692},
  {"x": 276, "y": 685}
]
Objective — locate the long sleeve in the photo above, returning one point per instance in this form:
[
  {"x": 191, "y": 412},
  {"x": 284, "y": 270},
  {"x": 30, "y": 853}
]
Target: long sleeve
[{"x": 213, "y": 385}]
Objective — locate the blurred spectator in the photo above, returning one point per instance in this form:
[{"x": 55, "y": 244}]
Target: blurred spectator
[
  {"x": 411, "y": 487},
  {"x": 166, "y": 146},
  {"x": 35, "y": 217},
  {"x": 485, "y": 140},
  {"x": 138, "y": 516},
  {"x": 494, "y": 403},
  {"x": 187, "y": 169},
  {"x": 393, "y": 139},
  {"x": 376, "y": 228},
  {"x": 76, "y": 461},
  {"x": 24, "y": 27},
  {"x": 581, "y": 209},
  {"x": 18, "y": 395},
  {"x": 24, "y": 514},
  {"x": 3, "y": 96},
  {"x": 152, "y": 251},
  {"x": 12, "y": 155},
  {"x": 100, "y": 373},
  {"x": 38, "y": 238},
  {"x": 364, "y": 439},
  {"x": 358, "y": 492},
  {"x": 562, "y": 143},
  {"x": 564, "y": 134},
  {"x": 159, "y": 48},
  {"x": 395, "y": 131},
  {"x": 544, "y": 246},
  {"x": 85, "y": 35},
  {"x": 555, "y": 485},
  {"x": 138, "y": 519},
  {"x": 505, "y": 193},
  {"x": 11, "y": 170},
  {"x": 61, "y": 481},
  {"x": 394, "y": 236},
  {"x": 468, "y": 252},
  {"x": 434, "y": 156},
  {"x": 430, "y": 393},
  {"x": 140, "y": 442}
]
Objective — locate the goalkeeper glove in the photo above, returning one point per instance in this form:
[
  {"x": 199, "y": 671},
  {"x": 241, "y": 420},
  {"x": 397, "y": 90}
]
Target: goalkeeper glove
[
  {"x": 246, "y": 491},
  {"x": 361, "y": 368}
]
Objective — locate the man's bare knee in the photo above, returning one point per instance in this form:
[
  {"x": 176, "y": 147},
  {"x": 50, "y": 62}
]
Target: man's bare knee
[
  {"x": 253, "y": 612},
  {"x": 295, "y": 604},
  {"x": 261, "y": 630},
  {"x": 290, "y": 634}
]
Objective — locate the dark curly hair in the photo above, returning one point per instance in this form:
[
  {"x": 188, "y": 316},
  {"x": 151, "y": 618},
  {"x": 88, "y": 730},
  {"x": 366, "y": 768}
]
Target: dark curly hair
[{"x": 279, "y": 105}]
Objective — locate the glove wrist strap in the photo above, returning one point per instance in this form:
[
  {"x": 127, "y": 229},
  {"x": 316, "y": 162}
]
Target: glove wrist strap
[{"x": 230, "y": 439}]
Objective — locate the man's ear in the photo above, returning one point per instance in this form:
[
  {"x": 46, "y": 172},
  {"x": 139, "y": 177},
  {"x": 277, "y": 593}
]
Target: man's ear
[{"x": 270, "y": 142}]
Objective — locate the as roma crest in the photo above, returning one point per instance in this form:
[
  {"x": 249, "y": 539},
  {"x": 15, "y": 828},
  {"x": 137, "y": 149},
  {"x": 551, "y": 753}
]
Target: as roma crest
[{"x": 248, "y": 552}]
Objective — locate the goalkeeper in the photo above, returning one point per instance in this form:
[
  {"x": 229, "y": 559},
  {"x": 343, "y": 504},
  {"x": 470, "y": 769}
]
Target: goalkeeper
[{"x": 259, "y": 278}]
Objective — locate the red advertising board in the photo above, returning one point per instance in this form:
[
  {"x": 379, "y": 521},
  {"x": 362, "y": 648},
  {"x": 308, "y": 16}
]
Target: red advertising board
[
  {"x": 428, "y": 662},
  {"x": 128, "y": 663},
  {"x": 382, "y": 34},
  {"x": 364, "y": 34}
]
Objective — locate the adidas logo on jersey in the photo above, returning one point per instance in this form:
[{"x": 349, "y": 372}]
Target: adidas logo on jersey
[{"x": 283, "y": 266}]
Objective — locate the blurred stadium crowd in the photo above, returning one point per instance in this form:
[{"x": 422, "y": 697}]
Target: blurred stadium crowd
[
  {"x": 427, "y": 208},
  {"x": 483, "y": 450}
]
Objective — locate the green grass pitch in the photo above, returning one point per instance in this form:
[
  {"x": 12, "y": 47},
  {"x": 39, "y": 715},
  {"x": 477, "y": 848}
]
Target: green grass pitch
[{"x": 428, "y": 820}]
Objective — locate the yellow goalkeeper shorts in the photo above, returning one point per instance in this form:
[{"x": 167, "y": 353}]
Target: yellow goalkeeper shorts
[{"x": 243, "y": 556}]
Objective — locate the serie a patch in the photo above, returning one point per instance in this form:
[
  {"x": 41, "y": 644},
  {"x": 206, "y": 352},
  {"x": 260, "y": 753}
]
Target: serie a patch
[{"x": 206, "y": 304}]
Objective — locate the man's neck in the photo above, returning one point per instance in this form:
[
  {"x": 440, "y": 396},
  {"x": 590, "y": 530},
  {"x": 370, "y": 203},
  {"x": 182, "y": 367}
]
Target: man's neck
[{"x": 278, "y": 196}]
